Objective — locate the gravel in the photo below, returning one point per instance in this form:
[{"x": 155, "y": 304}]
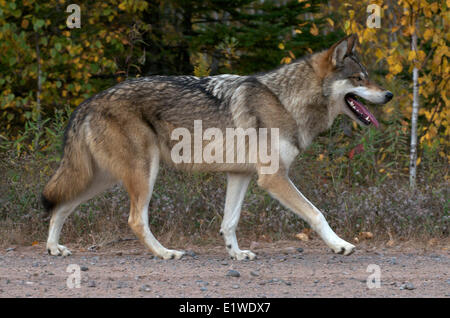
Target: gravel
[
  {"x": 122, "y": 272},
  {"x": 233, "y": 273}
]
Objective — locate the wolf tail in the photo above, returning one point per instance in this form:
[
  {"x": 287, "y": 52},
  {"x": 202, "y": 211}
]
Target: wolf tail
[{"x": 73, "y": 175}]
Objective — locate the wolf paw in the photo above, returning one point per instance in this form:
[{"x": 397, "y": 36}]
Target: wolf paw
[
  {"x": 242, "y": 255},
  {"x": 171, "y": 254},
  {"x": 344, "y": 248},
  {"x": 58, "y": 250}
]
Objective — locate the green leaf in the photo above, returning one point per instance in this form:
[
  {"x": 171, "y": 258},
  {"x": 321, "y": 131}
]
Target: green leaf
[{"x": 39, "y": 23}]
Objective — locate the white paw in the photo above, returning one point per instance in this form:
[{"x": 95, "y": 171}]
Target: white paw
[
  {"x": 171, "y": 254},
  {"x": 242, "y": 255},
  {"x": 343, "y": 247},
  {"x": 58, "y": 250}
]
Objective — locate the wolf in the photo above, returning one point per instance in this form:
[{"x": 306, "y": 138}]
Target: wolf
[{"x": 123, "y": 134}]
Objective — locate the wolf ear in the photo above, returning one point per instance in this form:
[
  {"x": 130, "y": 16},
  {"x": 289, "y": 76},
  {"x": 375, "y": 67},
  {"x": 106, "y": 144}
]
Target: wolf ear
[{"x": 343, "y": 48}]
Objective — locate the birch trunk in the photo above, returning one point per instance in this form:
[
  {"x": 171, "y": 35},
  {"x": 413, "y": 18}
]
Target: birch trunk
[{"x": 415, "y": 112}]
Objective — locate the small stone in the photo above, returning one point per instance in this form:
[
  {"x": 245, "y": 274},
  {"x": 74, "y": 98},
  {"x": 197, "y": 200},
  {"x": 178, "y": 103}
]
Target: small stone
[
  {"x": 233, "y": 273},
  {"x": 224, "y": 263},
  {"x": 300, "y": 250},
  {"x": 84, "y": 268},
  {"x": 235, "y": 286},
  {"x": 145, "y": 288},
  {"x": 122, "y": 285},
  {"x": 203, "y": 289},
  {"x": 407, "y": 286},
  {"x": 9, "y": 249},
  {"x": 190, "y": 253},
  {"x": 253, "y": 273},
  {"x": 92, "y": 283}
]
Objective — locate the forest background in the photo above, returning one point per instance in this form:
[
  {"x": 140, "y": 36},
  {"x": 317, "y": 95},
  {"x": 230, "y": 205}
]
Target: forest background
[{"x": 365, "y": 180}]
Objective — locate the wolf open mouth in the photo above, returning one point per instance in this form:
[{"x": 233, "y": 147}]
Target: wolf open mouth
[{"x": 361, "y": 111}]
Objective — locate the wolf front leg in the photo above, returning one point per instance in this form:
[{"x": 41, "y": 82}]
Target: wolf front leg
[
  {"x": 281, "y": 188},
  {"x": 236, "y": 188}
]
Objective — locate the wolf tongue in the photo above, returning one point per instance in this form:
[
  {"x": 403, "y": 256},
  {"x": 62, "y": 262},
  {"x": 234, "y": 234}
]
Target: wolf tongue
[{"x": 365, "y": 112}]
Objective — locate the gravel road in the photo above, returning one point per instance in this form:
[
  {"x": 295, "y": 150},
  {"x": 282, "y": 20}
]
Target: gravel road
[{"x": 282, "y": 269}]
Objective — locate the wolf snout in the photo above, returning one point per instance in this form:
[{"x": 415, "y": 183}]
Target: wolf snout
[{"x": 388, "y": 96}]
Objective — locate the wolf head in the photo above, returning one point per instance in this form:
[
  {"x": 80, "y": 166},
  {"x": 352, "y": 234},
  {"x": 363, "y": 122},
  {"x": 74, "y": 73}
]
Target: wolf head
[{"x": 346, "y": 83}]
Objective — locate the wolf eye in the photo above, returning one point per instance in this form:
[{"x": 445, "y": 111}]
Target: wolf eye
[{"x": 357, "y": 77}]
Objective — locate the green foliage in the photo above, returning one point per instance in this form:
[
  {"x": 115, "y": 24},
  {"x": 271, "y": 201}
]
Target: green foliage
[{"x": 129, "y": 38}]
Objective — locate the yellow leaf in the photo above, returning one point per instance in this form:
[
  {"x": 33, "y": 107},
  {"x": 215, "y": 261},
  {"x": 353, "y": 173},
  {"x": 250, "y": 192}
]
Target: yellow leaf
[
  {"x": 434, "y": 7},
  {"x": 366, "y": 235},
  {"x": 409, "y": 30},
  {"x": 331, "y": 22},
  {"x": 411, "y": 55},
  {"x": 351, "y": 13},
  {"x": 421, "y": 55},
  {"x": 397, "y": 68},
  {"x": 314, "y": 30},
  {"x": 428, "y": 34},
  {"x": 281, "y": 46},
  {"x": 302, "y": 237},
  {"x": 379, "y": 54},
  {"x": 123, "y": 6},
  {"x": 34, "y": 243},
  {"x": 286, "y": 60},
  {"x": 298, "y": 31},
  {"x": 418, "y": 161}
]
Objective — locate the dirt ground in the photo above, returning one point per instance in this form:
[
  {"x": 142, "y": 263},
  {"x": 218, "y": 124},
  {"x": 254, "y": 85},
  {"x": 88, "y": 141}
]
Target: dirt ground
[{"x": 282, "y": 269}]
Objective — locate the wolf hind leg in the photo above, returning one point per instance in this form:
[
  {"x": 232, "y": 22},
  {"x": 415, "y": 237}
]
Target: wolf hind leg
[
  {"x": 236, "y": 188},
  {"x": 101, "y": 182},
  {"x": 140, "y": 188}
]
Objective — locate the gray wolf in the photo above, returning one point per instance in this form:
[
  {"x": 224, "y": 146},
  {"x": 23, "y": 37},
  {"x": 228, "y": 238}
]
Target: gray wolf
[{"x": 123, "y": 134}]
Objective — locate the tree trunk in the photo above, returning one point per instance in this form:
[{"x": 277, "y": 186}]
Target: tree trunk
[{"x": 415, "y": 112}]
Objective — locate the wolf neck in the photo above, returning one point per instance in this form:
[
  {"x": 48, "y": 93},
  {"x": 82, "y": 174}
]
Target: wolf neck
[{"x": 299, "y": 88}]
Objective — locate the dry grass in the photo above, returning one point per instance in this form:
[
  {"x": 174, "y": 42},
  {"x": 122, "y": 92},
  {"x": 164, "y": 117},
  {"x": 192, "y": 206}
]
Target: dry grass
[{"x": 188, "y": 208}]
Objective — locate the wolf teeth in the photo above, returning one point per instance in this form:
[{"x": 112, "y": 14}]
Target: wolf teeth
[{"x": 352, "y": 104}]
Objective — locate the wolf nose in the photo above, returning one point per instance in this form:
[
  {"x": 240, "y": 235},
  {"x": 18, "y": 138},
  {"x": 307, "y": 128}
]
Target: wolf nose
[{"x": 389, "y": 96}]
